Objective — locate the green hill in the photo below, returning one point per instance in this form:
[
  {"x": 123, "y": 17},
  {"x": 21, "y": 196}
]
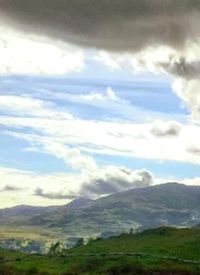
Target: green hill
[{"x": 158, "y": 251}]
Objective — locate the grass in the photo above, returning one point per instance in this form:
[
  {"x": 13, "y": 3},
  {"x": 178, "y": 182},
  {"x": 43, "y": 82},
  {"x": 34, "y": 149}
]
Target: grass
[
  {"x": 32, "y": 233},
  {"x": 97, "y": 257},
  {"x": 182, "y": 243}
]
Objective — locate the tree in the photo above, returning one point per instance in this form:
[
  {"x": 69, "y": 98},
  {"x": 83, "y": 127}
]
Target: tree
[
  {"x": 80, "y": 242},
  {"x": 131, "y": 231},
  {"x": 54, "y": 249}
]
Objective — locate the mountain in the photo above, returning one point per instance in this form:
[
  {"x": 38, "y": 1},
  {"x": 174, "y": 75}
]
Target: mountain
[
  {"x": 170, "y": 204},
  {"x": 24, "y": 210},
  {"x": 78, "y": 203},
  {"x": 19, "y": 214}
]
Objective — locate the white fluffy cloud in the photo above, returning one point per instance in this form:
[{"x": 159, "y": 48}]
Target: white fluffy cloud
[
  {"x": 183, "y": 65},
  {"x": 60, "y": 188},
  {"x": 26, "y": 182},
  {"x": 73, "y": 140},
  {"x": 188, "y": 91},
  {"x": 193, "y": 181},
  {"x": 109, "y": 95},
  {"x": 27, "y": 106},
  {"x": 28, "y": 54}
]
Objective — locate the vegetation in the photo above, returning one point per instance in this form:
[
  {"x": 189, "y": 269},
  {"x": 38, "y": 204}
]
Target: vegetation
[{"x": 157, "y": 251}]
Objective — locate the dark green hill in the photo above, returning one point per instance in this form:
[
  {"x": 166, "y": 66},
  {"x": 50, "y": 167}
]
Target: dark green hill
[{"x": 159, "y": 251}]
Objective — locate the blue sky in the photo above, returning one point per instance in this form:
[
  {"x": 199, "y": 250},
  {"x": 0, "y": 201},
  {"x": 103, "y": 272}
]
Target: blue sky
[
  {"x": 143, "y": 92},
  {"x": 136, "y": 98},
  {"x": 76, "y": 120}
]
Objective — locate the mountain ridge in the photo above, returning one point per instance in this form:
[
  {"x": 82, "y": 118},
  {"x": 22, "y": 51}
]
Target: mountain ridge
[{"x": 166, "y": 204}]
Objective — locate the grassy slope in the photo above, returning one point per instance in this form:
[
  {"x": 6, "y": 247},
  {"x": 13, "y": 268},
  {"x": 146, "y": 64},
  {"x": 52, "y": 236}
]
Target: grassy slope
[{"x": 181, "y": 243}]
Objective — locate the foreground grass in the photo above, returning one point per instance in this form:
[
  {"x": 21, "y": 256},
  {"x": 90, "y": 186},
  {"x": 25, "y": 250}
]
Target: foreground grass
[{"x": 158, "y": 251}]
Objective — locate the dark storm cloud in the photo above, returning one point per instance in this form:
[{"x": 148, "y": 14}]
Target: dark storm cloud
[
  {"x": 52, "y": 196},
  {"x": 183, "y": 68},
  {"x": 126, "y": 25},
  {"x": 123, "y": 180}
]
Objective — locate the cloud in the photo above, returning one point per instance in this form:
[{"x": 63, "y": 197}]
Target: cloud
[
  {"x": 10, "y": 188},
  {"x": 71, "y": 156},
  {"x": 114, "y": 24},
  {"x": 54, "y": 183},
  {"x": 160, "y": 36},
  {"x": 186, "y": 84},
  {"x": 108, "y": 102},
  {"x": 182, "y": 65},
  {"x": 50, "y": 129},
  {"x": 53, "y": 189},
  {"x": 27, "y": 54},
  {"x": 61, "y": 188},
  {"x": 191, "y": 181},
  {"x": 182, "y": 68},
  {"x": 195, "y": 150},
  {"x": 31, "y": 107},
  {"x": 115, "y": 179},
  {"x": 109, "y": 95},
  {"x": 188, "y": 91},
  {"x": 75, "y": 140},
  {"x": 53, "y": 196},
  {"x": 165, "y": 128},
  {"x": 105, "y": 58}
]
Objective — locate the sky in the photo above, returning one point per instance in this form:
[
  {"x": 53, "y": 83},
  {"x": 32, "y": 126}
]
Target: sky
[{"x": 97, "y": 97}]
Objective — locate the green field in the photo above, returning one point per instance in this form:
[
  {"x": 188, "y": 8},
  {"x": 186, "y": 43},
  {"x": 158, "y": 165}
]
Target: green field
[{"x": 157, "y": 251}]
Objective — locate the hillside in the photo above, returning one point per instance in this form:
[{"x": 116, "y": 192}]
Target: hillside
[
  {"x": 168, "y": 204},
  {"x": 152, "y": 252},
  {"x": 26, "y": 210}
]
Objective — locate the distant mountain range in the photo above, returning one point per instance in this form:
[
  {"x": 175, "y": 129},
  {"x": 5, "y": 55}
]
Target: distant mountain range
[{"x": 169, "y": 204}]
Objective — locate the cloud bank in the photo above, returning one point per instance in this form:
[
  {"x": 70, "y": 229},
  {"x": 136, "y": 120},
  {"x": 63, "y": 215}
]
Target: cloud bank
[
  {"x": 54, "y": 131},
  {"x": 115, "y": 179},
  {"x": 109, "y": 24},
  {"x": 27, "y": 54},
  {"x": 128, "y": 26},
  {"x": 52, "y": 196},
  {"x": 63, "y": 187}
]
